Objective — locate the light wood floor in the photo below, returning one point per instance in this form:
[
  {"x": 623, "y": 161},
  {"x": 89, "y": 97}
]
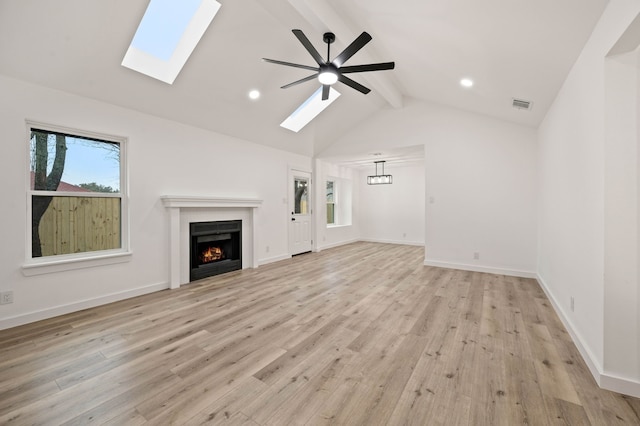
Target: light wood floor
[{"x": 362, "y": 334}]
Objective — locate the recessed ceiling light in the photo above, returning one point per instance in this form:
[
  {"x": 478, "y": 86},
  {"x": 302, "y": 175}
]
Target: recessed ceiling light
[
  {"x": 466, "y": 82},
  {"x": 254, "y": 94}
]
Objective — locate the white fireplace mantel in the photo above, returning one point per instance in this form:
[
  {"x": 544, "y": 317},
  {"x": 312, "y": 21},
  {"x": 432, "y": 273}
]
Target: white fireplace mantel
[
  {"x": 178, "y": 204},
  {"x": 175, "y": 201}
]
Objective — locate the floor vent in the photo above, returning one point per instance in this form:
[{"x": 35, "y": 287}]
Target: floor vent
[{"x": 521, "y": 104}]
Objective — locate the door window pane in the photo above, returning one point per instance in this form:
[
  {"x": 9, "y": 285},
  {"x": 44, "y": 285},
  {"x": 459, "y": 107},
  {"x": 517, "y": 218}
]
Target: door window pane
[{"x": 301, "y": 196}]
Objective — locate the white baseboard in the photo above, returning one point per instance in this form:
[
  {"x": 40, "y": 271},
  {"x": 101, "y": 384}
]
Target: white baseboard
[
  {"x": 620, "y": 384},
  {"x": 604, "y": 380},
  {"x": 587, "y": 355},
  {"x": 273, "y": 259},
  {"x": 78, "y": 306},
  {"x": 401, "y": 242},
  {"x": 480, "y": 268},
  {"x": 338, "y": 244}
]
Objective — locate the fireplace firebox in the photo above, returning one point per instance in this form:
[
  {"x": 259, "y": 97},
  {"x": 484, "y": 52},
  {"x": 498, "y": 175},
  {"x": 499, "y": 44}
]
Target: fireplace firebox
[{"x": 216, "y": 248}]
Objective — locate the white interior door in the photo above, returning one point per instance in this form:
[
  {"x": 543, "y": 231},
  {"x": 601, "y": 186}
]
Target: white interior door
[{"x": 300, "y": 208}]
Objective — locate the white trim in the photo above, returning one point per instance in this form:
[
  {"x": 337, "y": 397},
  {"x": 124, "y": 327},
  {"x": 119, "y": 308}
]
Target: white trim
[
  {"x": 400, "y": 242},
  {"x": 338, "y": 244},
  {"x": 196, "y": 201},
  {"x": 479, "y": 268},
  {"x": 587, "y": 355},
  {"x": 50, "y": 264},
  {"x": 333, "y": 226},
  {"x": 78, "y": 306},
  {"x": 108, "y": 137},
  {"x": 45, "y": 193},
  {"x": 274, "y": 259},
  {"x": 620, "y": 385},
  {"x": 604, "y": 380}
]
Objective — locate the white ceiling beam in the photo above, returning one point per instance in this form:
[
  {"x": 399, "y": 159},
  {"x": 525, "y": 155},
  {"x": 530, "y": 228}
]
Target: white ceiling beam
[
  {"x": 629, "y": 40},
  {"x": 322, "y": 16}
]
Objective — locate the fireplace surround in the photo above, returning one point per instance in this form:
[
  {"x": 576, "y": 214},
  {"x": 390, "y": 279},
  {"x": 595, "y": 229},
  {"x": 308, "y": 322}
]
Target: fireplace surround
[{"x": 185, "y": 209}]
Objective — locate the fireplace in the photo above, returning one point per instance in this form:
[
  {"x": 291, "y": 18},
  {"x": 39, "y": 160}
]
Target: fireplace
[{"x": 216, "y": 248}]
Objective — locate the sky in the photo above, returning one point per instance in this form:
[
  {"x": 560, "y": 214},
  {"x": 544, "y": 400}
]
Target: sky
[
  {"x": 162, "y": 26},
  {"x": 85, "y": 162}
]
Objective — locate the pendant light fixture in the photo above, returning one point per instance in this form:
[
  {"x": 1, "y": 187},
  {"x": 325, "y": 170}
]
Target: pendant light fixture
[{"x": 379, "y": 179}]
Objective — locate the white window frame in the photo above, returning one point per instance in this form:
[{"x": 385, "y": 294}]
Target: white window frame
[
  {"x": 342, "y": 201},
  {"x": 58, "y": 263}
]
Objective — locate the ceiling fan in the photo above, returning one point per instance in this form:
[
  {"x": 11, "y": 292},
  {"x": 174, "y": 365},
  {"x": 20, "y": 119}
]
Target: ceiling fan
[{"x": 328, "y": 72}]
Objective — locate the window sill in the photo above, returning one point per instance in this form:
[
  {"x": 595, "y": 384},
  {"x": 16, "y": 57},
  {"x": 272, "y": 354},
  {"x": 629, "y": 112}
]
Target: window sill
[
  {"x": 338, "y": 226},
  {"x": 64, "y": 263}
]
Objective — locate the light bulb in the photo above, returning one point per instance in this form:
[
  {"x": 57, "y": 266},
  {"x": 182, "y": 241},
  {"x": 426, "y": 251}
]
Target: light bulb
[{"x": 327, "y": 77}]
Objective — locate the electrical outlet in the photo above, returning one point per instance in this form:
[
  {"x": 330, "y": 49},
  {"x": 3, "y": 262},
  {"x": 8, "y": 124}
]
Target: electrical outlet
[
  {"x": 476, "y": 255},
  {"x": 404, "y": 235},
  {"x": 6, "y": 297},
  {"x": 572, "y": 303},
  {"x": 267, "y": 249}
]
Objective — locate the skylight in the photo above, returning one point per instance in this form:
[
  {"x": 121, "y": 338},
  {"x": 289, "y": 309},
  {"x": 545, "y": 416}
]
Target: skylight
[
  {"x": 309, "y": 110},
  {"x": 167, "y": 35}
]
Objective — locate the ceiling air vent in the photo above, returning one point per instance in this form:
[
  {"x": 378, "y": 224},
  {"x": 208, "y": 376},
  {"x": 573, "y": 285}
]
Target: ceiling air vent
[{"x": 521, "y": 104}]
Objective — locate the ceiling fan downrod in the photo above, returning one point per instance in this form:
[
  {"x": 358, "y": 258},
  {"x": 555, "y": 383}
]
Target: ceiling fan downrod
[{"x": 329, "y": 38}]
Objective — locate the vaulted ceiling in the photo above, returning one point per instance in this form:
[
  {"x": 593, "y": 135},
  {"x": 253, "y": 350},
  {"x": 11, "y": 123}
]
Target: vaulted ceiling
[{"x": 510, "y": 48}]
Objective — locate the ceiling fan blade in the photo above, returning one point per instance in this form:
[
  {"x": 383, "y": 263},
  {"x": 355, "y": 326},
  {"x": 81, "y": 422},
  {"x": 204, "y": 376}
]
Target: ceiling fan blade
[
  {"x": 302, "y": 80},
  {"x": 356, "y": 45},
  {"x": 368, "y": 67},
  {"x": 307, "y": 45},
  {"x": 325, "y": 91},
  {"x": 289, "y": 64},
  {"x": 353, "y": 84}
]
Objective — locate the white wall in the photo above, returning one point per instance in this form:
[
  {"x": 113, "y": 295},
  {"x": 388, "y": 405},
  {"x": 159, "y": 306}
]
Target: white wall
[
  {"x": 621, "y": 356},
  {"x": 164, "y": 158},
  {"x": 394, "y": 213},
  {"x": 332, "y": 236},
  {"x": 481, "y": 174},
  {"x": 481, "y": 199},
  {"x": 572, "y": 209}
]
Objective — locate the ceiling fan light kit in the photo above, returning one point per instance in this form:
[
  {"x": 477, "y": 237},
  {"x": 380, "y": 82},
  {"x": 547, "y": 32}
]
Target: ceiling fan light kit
[
  {"x": 329, "y": 72},
  {"x": 327, "y": 77}
]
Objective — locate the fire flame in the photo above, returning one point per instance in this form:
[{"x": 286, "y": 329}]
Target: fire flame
[{"x": 211, "y": 254}]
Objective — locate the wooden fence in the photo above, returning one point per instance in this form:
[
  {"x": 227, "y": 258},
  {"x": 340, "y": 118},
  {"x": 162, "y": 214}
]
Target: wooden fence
[{"x": 80, "y": 224}]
